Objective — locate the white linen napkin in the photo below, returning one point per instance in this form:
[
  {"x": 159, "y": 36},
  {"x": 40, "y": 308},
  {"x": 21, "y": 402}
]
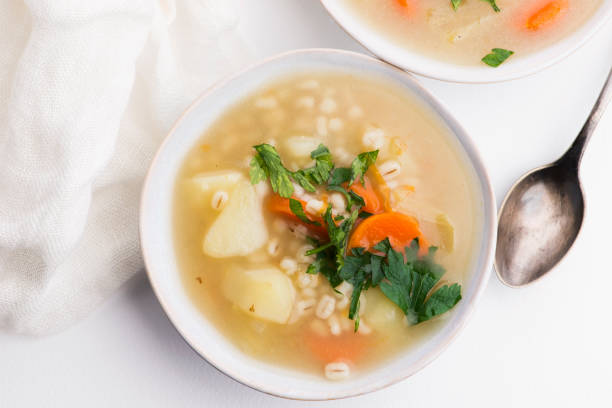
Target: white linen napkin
[{"x": 88, "y": 89}]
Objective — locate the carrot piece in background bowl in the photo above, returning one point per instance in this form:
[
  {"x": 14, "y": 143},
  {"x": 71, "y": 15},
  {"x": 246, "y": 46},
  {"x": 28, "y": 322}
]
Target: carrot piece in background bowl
[
  {"x": 406, "y": 7},
  {"x": 546, "y": 14}
]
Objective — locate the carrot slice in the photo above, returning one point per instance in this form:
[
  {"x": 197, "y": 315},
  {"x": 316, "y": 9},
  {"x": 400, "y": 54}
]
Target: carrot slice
[
  {"x": 407, "y": 4},
  {"x": 348, "y": 346},
  {"x": 546, "y": 14},
  {"x": 373, "y": 204},
  {"x": 407, "y": 7},
  {"x": 400, "y": 228},
  {"x": 280, "y": 205}
]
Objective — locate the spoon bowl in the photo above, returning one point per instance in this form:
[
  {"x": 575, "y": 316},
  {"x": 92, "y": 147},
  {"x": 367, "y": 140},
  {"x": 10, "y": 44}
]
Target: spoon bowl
[
  {"x": 539, "y": 221},
  {"x": 542, "y": 213}
]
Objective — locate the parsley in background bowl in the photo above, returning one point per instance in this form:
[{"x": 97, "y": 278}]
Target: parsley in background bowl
[{"x": 160, "y": 252}]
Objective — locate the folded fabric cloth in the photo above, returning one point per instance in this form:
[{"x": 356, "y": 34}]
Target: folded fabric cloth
[{"x": 88, "y": 89}]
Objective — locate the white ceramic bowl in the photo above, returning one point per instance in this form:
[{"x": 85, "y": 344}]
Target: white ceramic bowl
[
  {"x": 157, "y": 246},
  {"x": 412, "y": 61}
]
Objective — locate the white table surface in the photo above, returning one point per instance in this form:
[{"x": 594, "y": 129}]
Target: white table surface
[{"x": 546, "y": 345}]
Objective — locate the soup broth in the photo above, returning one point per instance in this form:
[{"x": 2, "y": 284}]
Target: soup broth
[
  {"x": 467, "y": 34},
  {"x": 255, "y": 252}
]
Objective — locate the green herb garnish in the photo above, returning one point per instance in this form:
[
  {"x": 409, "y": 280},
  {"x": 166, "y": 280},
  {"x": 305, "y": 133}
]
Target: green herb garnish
[
  {"x": 268, "y": 164},
  {"x": 456, "y": 3},
  {"x": 325, "y": 264},
  {"x": 493, "y": 4},
  {"x": 361, "y": 164},
  {"x": 340, "y": 175},
  {"x": 364, "y": 214},
  {"x": 338, "y": 234},
  {"x": 258, "y": 170},
  {"x": 406, "y": 278},
  {"x": 497, "y": 56},
  {"x": 318, "y": 174}
]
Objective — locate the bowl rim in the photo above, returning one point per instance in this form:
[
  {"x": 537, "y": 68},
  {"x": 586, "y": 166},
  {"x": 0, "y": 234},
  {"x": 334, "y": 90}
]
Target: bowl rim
[
  {"x": 430, "y": 67},
  {"x": 486, "y": 251}
]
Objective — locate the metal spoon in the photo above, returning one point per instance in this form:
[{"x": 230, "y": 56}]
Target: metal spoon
[{"x": 542, "y": 213}]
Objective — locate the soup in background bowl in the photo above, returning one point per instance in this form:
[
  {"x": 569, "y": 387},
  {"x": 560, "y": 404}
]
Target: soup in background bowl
[
  {"x": 318, "y": 226},
  {"x": 471, "y": 40}
]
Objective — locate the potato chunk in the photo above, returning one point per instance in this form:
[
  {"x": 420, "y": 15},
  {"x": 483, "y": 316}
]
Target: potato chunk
[
  {"x": 215, "y": 180},
  {"x": 240, "y": 229},
  {"x": 267, "y": 294},
  {"x": 382, "y": 314},
  {"x": 201, "y": 186},
  {"x": 447, "y": 232}
]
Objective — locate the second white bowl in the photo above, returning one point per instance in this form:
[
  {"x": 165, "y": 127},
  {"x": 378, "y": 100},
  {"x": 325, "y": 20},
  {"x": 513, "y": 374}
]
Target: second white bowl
[{"x": 412, "y": 61}]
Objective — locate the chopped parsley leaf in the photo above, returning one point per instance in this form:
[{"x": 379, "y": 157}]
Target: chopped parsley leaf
[
  {"x": 280, "y": 177},
  {"x": 493, "y": 4},
  {"x": 361, "y": 164},
  {"x": 258, "y": 171},
  {"x": 497, "y": 57},
  {"x": 319, "y": 174},
  {"x": 340, "y": 175},
  {"x": 268, "y": 164}
]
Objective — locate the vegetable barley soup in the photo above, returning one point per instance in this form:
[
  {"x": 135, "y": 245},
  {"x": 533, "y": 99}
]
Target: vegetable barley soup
[
  {"x": 475, "y": 31},
  {"x": 326, "y": 223}
]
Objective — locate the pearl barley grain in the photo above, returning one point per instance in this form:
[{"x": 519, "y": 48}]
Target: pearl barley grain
[
  {"x": 314, "y": 206},
  {"x": 307, "y": 102},
  {"x": 337, "y": 371},
  {"x": 304, "y": 280},
  {"x": 289, "y": 265},
  {"x": 219, "y": 199},
  {"x": 336, "y": 124},
  {"x": 326, "y": 307},
  {"x": 389, "y": 169},
  {"x": 273, "y": 247},
  {"x": 337, "y": 201},
  {"x": 373, "y": 138},
  {"x": 355, "y": 112},
  {"x": 334, "y": 325},
  {"x": 328, "y": 105},
  {"x": 321, "y": 125}
]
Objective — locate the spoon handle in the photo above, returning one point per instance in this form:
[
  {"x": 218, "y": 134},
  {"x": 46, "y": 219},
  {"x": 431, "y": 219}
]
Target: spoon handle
[{"x": 573, "y": 156}]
